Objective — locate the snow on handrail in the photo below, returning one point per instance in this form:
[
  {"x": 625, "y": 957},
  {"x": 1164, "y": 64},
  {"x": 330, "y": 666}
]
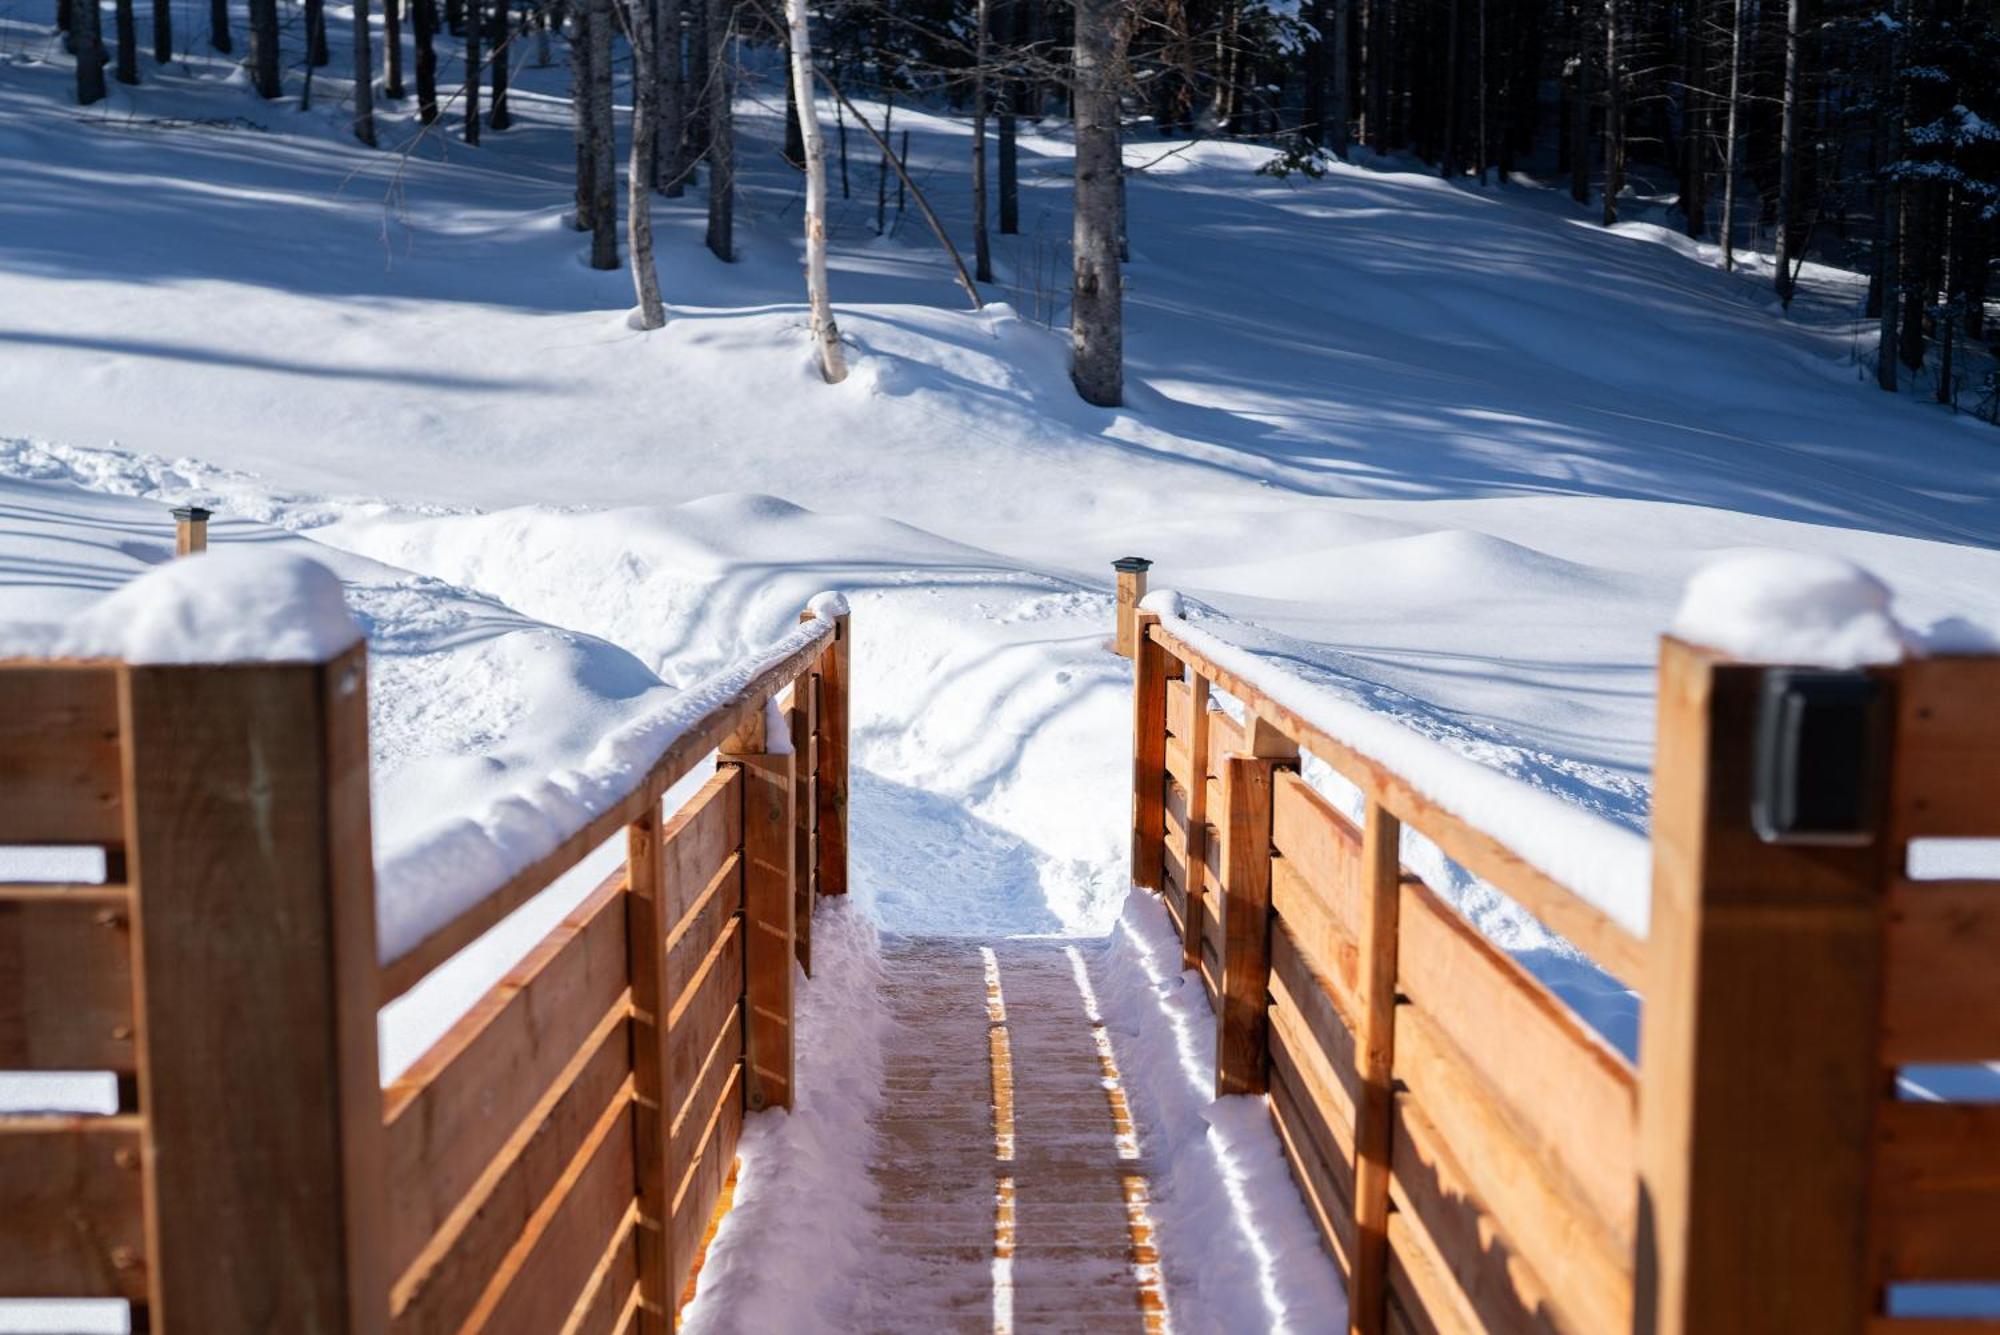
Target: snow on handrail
[
  {"x": 1598, "y": 875},
  {"x": 434, "y": 897}
]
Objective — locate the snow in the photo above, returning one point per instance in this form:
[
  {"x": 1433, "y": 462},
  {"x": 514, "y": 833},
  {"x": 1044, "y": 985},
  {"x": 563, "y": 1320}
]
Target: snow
[
  {"x": 1442, "y": 461},
  {"x": 1607, "y": 865},
  {"x": 238, "y": 605},
  {"x": 1791, "y": 608}
]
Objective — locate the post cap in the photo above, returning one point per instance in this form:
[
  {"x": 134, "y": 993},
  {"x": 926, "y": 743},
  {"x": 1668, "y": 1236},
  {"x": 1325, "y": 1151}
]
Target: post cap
[
  {"x": 191, "y": 514},
  {"x": 1127, "y": 565}
]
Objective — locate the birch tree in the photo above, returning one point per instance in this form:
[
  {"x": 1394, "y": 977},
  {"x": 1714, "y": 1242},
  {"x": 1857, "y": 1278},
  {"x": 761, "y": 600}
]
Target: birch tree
[
  {"x": 639, "y": 172},
  {"x": 1097, "y": 296},
  {"x": 826, "y": 334}
]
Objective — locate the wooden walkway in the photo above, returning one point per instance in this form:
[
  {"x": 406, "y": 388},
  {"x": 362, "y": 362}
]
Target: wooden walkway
[{"x": 1013, "y": 1191}]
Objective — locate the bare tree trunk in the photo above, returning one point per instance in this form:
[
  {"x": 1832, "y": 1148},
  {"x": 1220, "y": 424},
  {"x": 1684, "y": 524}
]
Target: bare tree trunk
[
  {"x": 263, "y": 57},
  {"x": 499, "y": 32},
  {"x": 882, "y": 175},
  {"x": 1729, "y": 140},
  {"x": 639, "y": 171},
  {"x": 218, "y": 26},
  {"x": 1010, "y": 165},
  {"x": 127, "y": 25},
  {"x": 392, "y": 49},
  {"x": 424, "y": 24},
  {"x": 163, "y": 31},
  {"x": 1885, "y": 344},
  {"x": 1448, "y": 157},
  {"x": 1579, "y": 125},
  {"x": 1096, "y": 319},
  {"x": 982, "y": 249},
  {"x": 1339, "y": 97},
  {"x": 581, "y": 85},
  {"x": 1485, "y": 140},
  {"x": 602, "y": 144},
  {"x": 364, "y": 75},
  {"x": 832, "y": 358},
  {"x": 721, "y": 134},
  {"x": 1788, "y": 155},
  {"x": 316, "y": 53},
  {"x": 1947, "y": 393},
  {"x": 86, "y": 21},
  {"x": 1614, "y": 116},
  {"x": 671, "y": 150},
  {"x": 475, "y": 22}
]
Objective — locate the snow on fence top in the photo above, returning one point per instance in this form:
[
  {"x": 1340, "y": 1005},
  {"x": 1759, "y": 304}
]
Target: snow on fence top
[
  {"x": 1794, "y": 608},
  {"x": 1606, "y": 865}
]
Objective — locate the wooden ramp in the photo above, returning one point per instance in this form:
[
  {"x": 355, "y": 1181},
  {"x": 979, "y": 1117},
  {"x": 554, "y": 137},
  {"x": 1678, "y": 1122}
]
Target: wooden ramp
[{"x": 1013, "y": 1191}]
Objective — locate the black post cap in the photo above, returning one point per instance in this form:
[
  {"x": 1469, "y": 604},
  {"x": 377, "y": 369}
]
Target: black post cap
[
  {"x": 191, "y": 514},
  {"x": 1127, "y": 565}
]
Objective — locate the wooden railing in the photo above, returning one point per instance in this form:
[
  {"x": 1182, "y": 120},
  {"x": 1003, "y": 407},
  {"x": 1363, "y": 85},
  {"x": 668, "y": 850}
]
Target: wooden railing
[
  {"x": 1476, "y": 1156},
  {"x": 553, "y": 1163}
]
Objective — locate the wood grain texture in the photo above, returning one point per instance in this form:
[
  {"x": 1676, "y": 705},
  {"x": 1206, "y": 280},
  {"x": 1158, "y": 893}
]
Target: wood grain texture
[
  {"x": 1375, "y": 1049},
  {"x": 1243, "y": 918},
  {"x": 1948, "y": 748},
  {"x": 648, "y": 916},
  {"x": 1149, "y": 754},
  {"x": 72, "y": 1213},
  {"x": 1330, "y": 940},
  {"x": 768, "y": 906},
  {"x": 1941, "y": 987},
  {"x": 1319, "y": 1041},
  {"x": 248, "y": 833},
  {"x": 60, "y": 768},
  {"x": 804, "y": 719},
  {"x": 698, "y": 841},
  {"x": 66, "y": 986},
  {"x": 835, "y": 699},
  {"x": 1937, "y": 1190}
]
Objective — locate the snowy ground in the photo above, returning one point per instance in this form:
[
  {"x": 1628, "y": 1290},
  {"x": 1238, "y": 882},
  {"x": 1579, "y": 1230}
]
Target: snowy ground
[{"x": 1457, "y": 452}]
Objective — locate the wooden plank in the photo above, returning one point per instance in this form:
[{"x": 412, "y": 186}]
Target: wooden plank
[
  {"x": 610, "y": 1302},
  {"x": 1537, "y": 1212},
  {"x": 1321, "y": 1044},
  {"x": 1320, "y": 1173},
  {"x": 1937, "y": 1190},
  {"x": 1324, "y": 938},
  {"x": 648, "y": 918},
  {"x": 1180, "y": 709},
  {"x": 830, "y": 792},
  {"x": 1225, "y": 738},
  {"x": 451, "y": 1112},
  {"x": 1196, "y": 833},
  {"x": 805, "y": 846},
  {"x": 72, "y": 1215},
  {"x": 1455, "y": 1234},
  {"x": 1614, "y": 949},
  {"x": 1176, "y": 901},
  {"x": 703, "y": 1186},
  {"x": 1322, "y": 845},
  {"x": 66, "y": 986},
  {"x": 441, "y": 1285},
  {"x": 1933, "y": 1325},
  {"x": 1420, "y": 1291},
  {"x": 1374, "y": 1044},
  {"x": 703, "y": 1012},
  {"x": 693, "y": 941},
  {"x": 744, "y": 706},
  {"x": 1941, "y": 990},
  {"x": 698, "y": 841},
  {"x": 553, "y": 1260},
  {"x": 1173, "y": 867},
  {"x": 1571, "y": 1098},
  {"x": 1176, "y": 811},
  {"x": 719, "y": 1076},
  {"x": 1948, "y": 748},
  {"x": 1149, "y": 753},
  {"x": 767, "y": 924},
  {"x": 59, "y": 757},
  {"x": 1212, "y": 928},
  {"x": 248, "y": 827},
  {"x": 1178, "y": 763},
  {"x": 1243, "y": 917},
  {"x": 1759, "y": 1041}
]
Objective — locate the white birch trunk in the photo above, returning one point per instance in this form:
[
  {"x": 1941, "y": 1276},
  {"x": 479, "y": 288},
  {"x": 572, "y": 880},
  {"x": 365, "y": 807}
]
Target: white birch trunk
[{"x": 832, "y": 360}]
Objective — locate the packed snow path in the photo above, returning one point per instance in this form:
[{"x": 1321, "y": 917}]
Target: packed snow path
[{"x": 1012, "y": 1188}]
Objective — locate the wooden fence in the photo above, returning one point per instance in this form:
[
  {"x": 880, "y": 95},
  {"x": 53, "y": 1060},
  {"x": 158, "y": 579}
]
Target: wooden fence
[
  {"x": 552, "y": 1164},
  {"x": 1476, "y": 1157}
]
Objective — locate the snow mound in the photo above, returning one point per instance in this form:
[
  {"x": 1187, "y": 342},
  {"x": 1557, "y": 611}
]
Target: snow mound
[
  {"x": 232, "y": 605},
  {"x": 1790, "y": 607}
]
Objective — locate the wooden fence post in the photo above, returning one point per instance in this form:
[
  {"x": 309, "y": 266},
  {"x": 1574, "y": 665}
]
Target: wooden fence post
[
  {"x": 767, "y": 913},
  {"x": 1198, "y": 817},
  {"x": 653, "y": 1105},
  {"x": 1760, "y": 1065},
  {"x": 248, "y": 832},
  {"x": 803, "y": 720},
  {"x": 1131, "y": 589},
  {"x": 1242, "y": 1048},
  {"x": 830, "y": 796},
  {"x": 1149, "y": 754},
  {"x": 190, "y": 530},
  {"x": 1375, "y": 1056}
]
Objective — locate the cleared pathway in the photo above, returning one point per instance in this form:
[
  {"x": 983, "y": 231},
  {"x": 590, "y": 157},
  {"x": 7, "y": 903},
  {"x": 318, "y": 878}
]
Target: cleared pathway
[{"x": 1013, "y": 1192}]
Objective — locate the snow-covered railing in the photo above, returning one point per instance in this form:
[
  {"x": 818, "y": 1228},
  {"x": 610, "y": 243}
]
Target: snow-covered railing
[
  {"x": 554, "y": 1161},
  {"x": 1476, "y": 1156}
]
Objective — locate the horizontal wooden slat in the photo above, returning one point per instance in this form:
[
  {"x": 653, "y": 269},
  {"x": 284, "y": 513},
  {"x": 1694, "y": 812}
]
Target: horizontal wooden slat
[
  {"x": 699, "y": 840},
  {"x": 1176, "y": 900},
  {"x": 72, "y": 1215},
  {"x": 1326, "y": 940},
  {"x": 699, "y": 1190},
  {"x": 450, "y": 1113},
  {"x": 1539, "y": 1217},
  {"x": 65, "y": 986},
  {"x": 702, "y": 1011},
  {"x": 680, "y": 757},
  {"x": 1180, "y": 768},
  {"x": 1225, "y": 738},
  {"x": 704, "y": 925},
  {"x": 1938, "y": 1190},
  {"x": 1941, "y": 985},
  {"x": 1611, "y": 946},
  {"x": 695, "y": 1109},
  {"x": 1180, "y": 708},
  {"x": 1933, "y": 1325},
  {"x": 1303, "y": 1010},
  {"x": 1174, "y": 865},
  {"x": 1573, "y": 1099},
  {"x": 1420, "y": 1290},
  {"x": 59, "y": 765},
  {"x": 612, "y": 1292},
  {"x": 439, "y": 1286},
  {"x": 1212, "y": 933},
  {"x": 543, "y": 1277},
  {"x": 1948, "y": 748},
  {"x": 1456, "y": 1242},
  {"x": 1324, "y": 1176},
  {"x": 1176, "y": 805},
  {"x": 1321, "y": 844}
]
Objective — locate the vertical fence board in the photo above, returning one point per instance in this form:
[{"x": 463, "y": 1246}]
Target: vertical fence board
[
  {"x": 1381, "y": 878},
  {"x": 646, "y": 946},
  {"x": 1149, "y": 755},
  {"x": 767, "y": 916}
]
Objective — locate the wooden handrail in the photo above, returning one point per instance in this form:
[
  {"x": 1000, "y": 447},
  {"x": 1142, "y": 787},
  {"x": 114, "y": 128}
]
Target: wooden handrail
[
  {"x": 1613, "y": 948},
  {"x": 675, "y": 763}
]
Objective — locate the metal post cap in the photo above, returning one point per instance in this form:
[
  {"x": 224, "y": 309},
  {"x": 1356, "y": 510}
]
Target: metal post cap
[
  {"x": 1131, "y": 564},
  {"x": 191, "y": 514}
]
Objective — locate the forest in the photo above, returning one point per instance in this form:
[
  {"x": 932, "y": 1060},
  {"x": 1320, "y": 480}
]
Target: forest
[{"x": 1864, "y": 137}]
